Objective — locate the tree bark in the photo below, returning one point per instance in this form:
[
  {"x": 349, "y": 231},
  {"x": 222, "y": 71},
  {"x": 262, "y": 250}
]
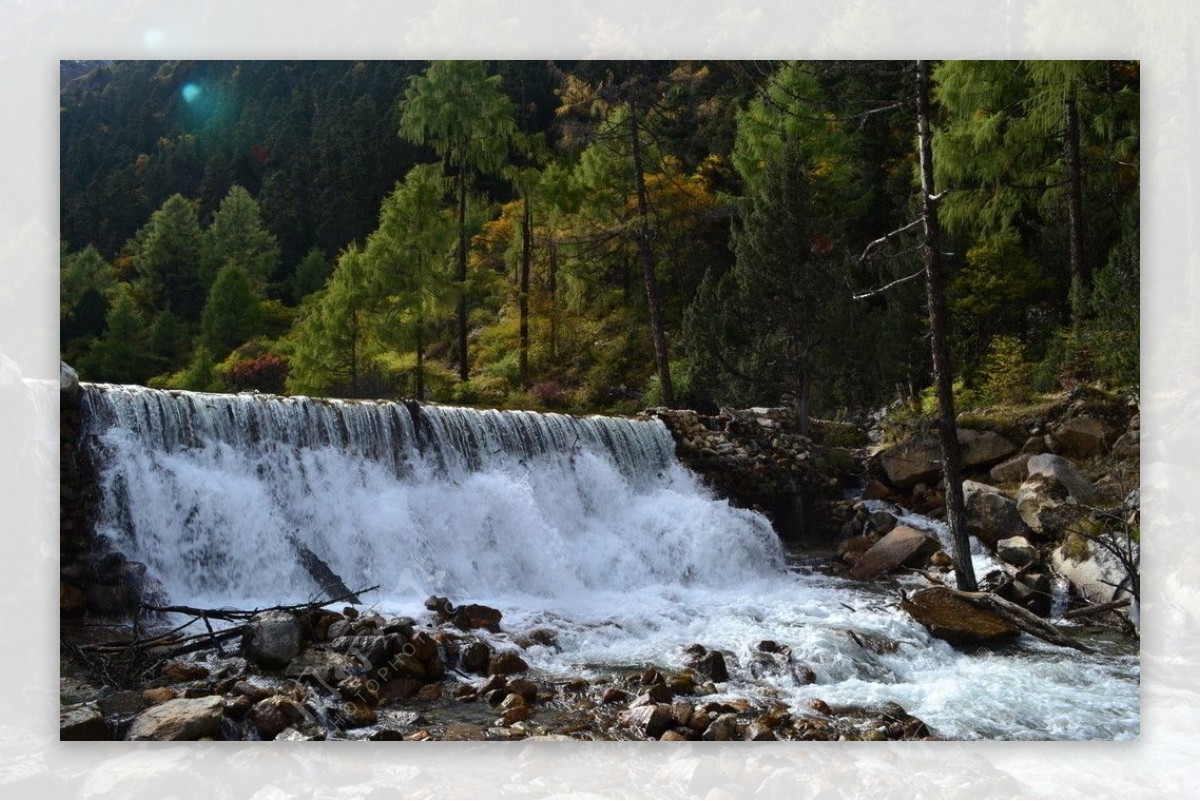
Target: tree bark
[
  {"x": 523, "y": 297},
  {"x": 1081, "y": 278},
  {"x": 956, "y": 515},
  {"x": 646, "y": 256}
]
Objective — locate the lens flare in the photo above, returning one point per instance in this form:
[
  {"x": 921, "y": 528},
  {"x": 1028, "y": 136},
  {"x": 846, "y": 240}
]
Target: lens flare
[{"x": 190, "y": 92}]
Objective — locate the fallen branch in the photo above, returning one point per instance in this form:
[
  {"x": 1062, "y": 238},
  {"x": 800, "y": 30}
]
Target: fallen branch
[
  {"x": 227, "y": 613},
  {"x": 1096, "y": 609}
]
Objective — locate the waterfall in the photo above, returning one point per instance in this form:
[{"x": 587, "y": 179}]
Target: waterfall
[{"x": 212, "y": 491}]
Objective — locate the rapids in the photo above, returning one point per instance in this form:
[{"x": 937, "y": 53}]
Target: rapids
[{"x": 589, "y": 526}]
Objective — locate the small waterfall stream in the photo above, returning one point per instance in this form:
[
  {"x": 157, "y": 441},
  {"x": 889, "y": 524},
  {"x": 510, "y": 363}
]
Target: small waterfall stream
[{"x": 587, "y": 525}]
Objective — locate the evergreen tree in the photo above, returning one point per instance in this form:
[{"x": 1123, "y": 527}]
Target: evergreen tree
[
  {"x": 237, "y": 236},
  {"x": 461, "y": 111},
  {"x": 231, "y": 314},
  {"x": 168, "y": 255},
  {"x": 121, "y": 357},
  {"x": 311, "y": 274}
]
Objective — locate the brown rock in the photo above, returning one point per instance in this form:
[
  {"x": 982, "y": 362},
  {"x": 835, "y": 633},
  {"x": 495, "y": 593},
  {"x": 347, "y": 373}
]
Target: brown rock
[
  {"x": 421, "y": 646},
  {"x": 1084, "y": 436},
  {"x": 903, "y": 545},
  {"x": 956, "y": 620},
  {"x": 524, "y": 688},
  {"x": 991, "y": 515},
  {"x": 178, "y": 670},
  {"x": 712, "y": 665},
  {"x": 507, "y": 663},
  {"x": 474, "y": 657},
  {"x": 614, "y": 695},
  {"x": 649, "y": 721},
  {"x": 180, "y": 719},
  {"x": 1012, "y": 471},
  {"x": 272, "y": 715},
  {"x": 81, "y": 722},
  {"x": 159, "y": 695},
  {"x": 477, "y": 616}
]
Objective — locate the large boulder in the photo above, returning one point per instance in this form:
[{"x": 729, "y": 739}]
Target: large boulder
[
  {"x": 1017, "y": 551},
  {"x": 1095, "y": 574},
  {"x": 991, "y": 515},
  {"x": 1048, "y": 500},
  {"x": 1083, "y": 436},
  {"x": 81, "y": 722},
  {"x": 650, "y": 720},
  {"x": 180, "y": 719},
  {"x": 918, "y": 459},
  {"x": 1012, "y": 471},
  {"x": 903, "y": 545},
  {"x": 272, "y": 639},
  {"x": 956, "y": 620}
]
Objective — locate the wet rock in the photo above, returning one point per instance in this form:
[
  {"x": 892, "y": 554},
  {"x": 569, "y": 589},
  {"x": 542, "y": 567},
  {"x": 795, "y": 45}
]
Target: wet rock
[
  {"x": 803, "y": 675},
  {"x": 159, "y": 695},
  {"x": 648, "y": 721},
  {"x": 357, "y": 688},
  {"x": 682, "y": 712},
  {"x": 430, "y": 692},
  {"x": 370, "y": 650},
  {"x": 421, "y": 646},
  {"x": 941, "y": 559},
  {"x": 474, "y": 657},
  {"x": 712, "y": 665},
  {"x": 321, "y": 667},
  {"x": 405, "y": 667},
  {"x": 354, "y": 715},
  {"x": 676, "y": 735},
  {"x": 272, "y": 715},
  {"x": 293, "y": 734},
  {"x": 759, "y": 731},
  {"x": 123, "y": 703},
  {"x": 465, "y": 617},
  {"x": 820, "y": 707},
  {"x": 614, "y": 695},
  {"x": 252, "y": 691},
  {"x": 495, "y": 697},
  {"x": 991, "y": 515},
  {"x": 1083, "y": 436},
  {"x": 81, "y": 722},
  {"x": 957, "y": 621},
  {"x": 722, "y": 729},
  {"x": 177, "y": 670},
  {"x": 881, "y": 521},
  {"x": 651, "y": 676},
  {"x": 1016, "y": 551},
  {"x": 272, "y": 639},
  {"x": 507, "y": 663},
  {"x": 524, "y": 688},
  {"x": 515, "y": 715},
  {"x": 903, "y": 546},
  {"x": 180, "y": 719}
]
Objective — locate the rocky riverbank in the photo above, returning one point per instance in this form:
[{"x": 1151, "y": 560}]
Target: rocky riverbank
[{"x": 454, "y": 674}]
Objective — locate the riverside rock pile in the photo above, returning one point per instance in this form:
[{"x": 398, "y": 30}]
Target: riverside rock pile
[
  {"x": 749, "y": 454},
  {"x": 361, "y": 676}
]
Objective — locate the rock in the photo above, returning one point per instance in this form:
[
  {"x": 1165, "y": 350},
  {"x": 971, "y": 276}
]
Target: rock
[
  {"x": 941, "y": 559},
  {"x": 180, "y": 719},
  {"x": 71, "y": 599},
  {"x": 1047, "y": 500},
  {"x": 477, "y": 616},
  {"x": 354, "y": 715},
  {"x": 515, "y": 714},
  {"x": 655, "y": 693},
  {"x": 1083, "y": 436},
  {"x": 1011, "y": 471},
  {"x": 252, "y": 691},
  {"x": 159, "y": 695},
  {"x": 957, "y": 621},
  {"x": 758, "y": 731},
  {"x": 474, "y": 657},
  {"x": 321, "y": 667},
  {"x": 882, "y": 521},
  {"x": 422, "y": 646},
  {"x": 293, "y": 734},
  {"x": 614, "y": 695},
  {"x": 722, "y": 729},
  {"x": 524, "y": 688},
  {"x": 1128, "y": 445},
  {"x": 682, "y": 712},
  {"x": 649, "y": 721},
  {"x": 1017, "y": 551},
  {"x": 1034, "y": 444},
  {"x": 272, "y": 715},
  {"x": 903, "y": 545},
  {"x": 675, "y": 735},
  {"x": 991, "y": 515},
  {"x": 507, "y": 663},
  {"x": 123, "y": 703},
  {"x": 81, "y": 722},
  {"x": 272, "y": 639},
  {"x": 712, "y": 665},
  {"x": 1093, "y": 572},
  {"x": 371, "y": 650},
  {"x": 177, "y": 670},
  {"x": 68, "y": 381},
  {"x": 919, "y": 458},
  {"x": 820, "y": 707}
]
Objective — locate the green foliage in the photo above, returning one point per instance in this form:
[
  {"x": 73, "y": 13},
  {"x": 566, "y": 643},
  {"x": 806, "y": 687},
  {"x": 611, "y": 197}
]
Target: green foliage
[
  {"x": 1007, "y": 376},
  {"x": 169, "y": 340},
  {"x": 237, "y": 236},
  {"x": 311, "y": 273},
  {"x": 232, "y": 314},
  {"x": 121, "y": 356},
  {"x": 168, "y": 254},
  {"x": 201, "y": 374}
]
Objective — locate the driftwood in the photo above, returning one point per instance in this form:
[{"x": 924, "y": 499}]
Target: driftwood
[
  {"x": 321, "y": 572},
  {"x": 1020, "y": 617},
  {"x": 1096, "y": 609}
]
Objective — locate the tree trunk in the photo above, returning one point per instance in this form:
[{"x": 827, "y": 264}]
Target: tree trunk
[
  {"x": 956, "y": 515},
  {"x": 646, "y": 256},
  {"x": 553, "y": 291},
  {"x": 523, "y": 297},
  {"x": 1080, "y": 275},
  {"x": 461, "y": 276}
]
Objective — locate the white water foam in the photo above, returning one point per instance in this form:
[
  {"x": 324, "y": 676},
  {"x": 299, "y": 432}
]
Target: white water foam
[{"x": 588, "y": 526}]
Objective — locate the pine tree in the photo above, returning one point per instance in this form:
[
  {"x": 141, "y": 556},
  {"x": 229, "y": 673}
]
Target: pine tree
[
  {"x": 231, "y": 314},
  {"x": 168, "y": 254},
  {"x": 120, "y": 357},
  {"x": 311, "y": 274},
  {"x": 237, "y": 236}
]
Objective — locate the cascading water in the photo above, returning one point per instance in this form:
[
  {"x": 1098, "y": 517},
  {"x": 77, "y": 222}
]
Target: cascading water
[{"x": 587, "y": 525}]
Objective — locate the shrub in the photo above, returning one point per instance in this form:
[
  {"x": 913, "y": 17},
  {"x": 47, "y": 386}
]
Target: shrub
[{"x": 1006, "y": 375}]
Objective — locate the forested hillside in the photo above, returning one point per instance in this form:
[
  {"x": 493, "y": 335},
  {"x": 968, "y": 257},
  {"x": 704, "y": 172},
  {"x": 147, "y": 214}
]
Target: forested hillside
[{"x": 595, "y": 236}]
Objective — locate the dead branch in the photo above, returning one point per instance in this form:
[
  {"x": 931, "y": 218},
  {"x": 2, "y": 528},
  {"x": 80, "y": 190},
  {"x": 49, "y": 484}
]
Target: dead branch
[
  {"x": 873, "y": 292},
  {"x": 883, "y": 239},
  {"x": 1096, "y": 609}
]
